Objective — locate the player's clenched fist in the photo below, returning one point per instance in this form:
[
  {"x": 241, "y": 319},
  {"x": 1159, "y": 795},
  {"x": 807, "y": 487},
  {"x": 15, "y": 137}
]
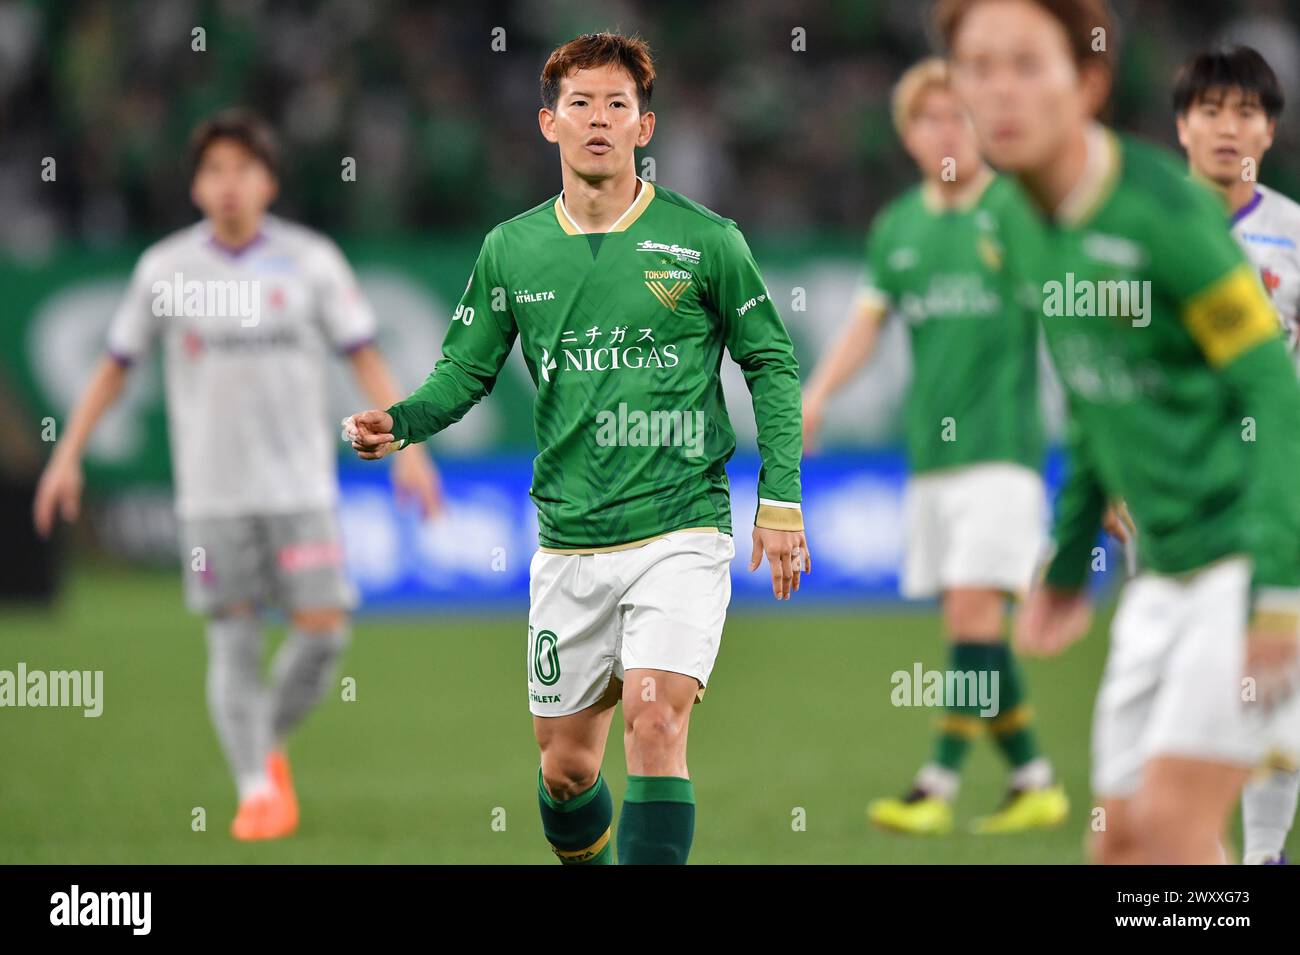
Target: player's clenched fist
[{"x": 371, "y": 434}]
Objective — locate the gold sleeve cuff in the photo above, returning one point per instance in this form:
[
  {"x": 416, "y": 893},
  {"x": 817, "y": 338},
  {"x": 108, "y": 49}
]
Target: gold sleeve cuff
[{"x": 779, "y": 518}]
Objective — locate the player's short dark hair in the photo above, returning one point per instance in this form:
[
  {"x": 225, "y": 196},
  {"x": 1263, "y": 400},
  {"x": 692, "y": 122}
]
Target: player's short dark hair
[
  {"x": 1082, "y": 19},
  {"x": 1210, "y": 74},
  {"x": 600, "y": 49},
  {"x": 239, "y": 125}
]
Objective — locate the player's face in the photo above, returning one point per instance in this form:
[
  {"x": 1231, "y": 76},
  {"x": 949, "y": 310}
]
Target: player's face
[
  {"x": 1226, "y": 133},
  {"x": 1013, "y": 70},
  {"x": 232, "y": 186},
  {"x": 940, "y": 137},
  {"x": 597, "y": 122}
]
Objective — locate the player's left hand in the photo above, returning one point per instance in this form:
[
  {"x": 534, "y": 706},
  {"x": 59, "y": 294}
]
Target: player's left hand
[
  {"x": 415, "y": 478},
  {"x": 787, "y": 555}
]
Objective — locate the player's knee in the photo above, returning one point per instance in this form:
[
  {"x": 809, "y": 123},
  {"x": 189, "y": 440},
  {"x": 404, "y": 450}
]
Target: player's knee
[
  {"x": 972, "y": 613},
  {"x": 1114, "y": 845},
  {"x": 319, "y": 620},
  {"x": 656, "y": 730},
  {"x": 568, "y": 775},
  {"x": 1162, "y": 826},
  {"x": 234, "y": 612}
]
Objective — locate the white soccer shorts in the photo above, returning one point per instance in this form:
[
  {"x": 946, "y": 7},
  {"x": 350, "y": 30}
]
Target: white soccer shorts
[
  {"x": 1173, "y": 680},
  {"x": 983, "y": 525},
  {"x": 592, "y": 617}
]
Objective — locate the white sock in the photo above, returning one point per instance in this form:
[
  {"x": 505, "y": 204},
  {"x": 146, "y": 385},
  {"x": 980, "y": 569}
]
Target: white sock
[
  {"x": 237, "y": 699},
  {"x": 1035, "y": 774},
  {"x": 253, "y": 785},
  {"x": 1268, "y": 805},
  {"x": 938, "y": 781}
]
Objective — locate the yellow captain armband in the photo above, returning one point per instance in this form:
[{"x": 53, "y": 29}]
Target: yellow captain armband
[
  {"x": 1230, "y": 316},
  {"x": 778, "y": 515}
]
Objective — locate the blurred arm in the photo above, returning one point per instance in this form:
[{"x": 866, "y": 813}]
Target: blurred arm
[
  {"x": 373, "y": 376},
  {"x": 847, "y": 353},
  {"x": 103, "y": 390},
  {"x": 59, "y": 490}
]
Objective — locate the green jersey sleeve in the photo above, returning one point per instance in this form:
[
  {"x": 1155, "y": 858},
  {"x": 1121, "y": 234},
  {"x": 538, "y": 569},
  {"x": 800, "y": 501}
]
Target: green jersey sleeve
[
  {"x": 1227, "y": 313},
  {"x": 474, "y": 350},
  {"x": 1079, "y": 508},
  {"x": 759, "y": 343},
  {"x": 877, "y": 291}
]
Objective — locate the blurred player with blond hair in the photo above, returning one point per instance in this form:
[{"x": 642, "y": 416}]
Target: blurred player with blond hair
[{"x": 975, "y": 509}]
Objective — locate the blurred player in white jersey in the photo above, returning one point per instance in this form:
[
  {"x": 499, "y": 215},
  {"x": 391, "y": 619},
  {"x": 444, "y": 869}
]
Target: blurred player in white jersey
[
  {"x": 247, "y": 309},
  {"x": 1226, "y": 103}
]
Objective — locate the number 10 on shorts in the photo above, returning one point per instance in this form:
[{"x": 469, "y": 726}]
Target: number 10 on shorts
[{"x": 543, "y": 657}]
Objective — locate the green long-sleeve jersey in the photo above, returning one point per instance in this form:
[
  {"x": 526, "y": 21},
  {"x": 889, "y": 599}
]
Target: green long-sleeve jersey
[
  {"x": 623, "y": 334},
  {"x": 974, "y": 390},
  {"x": 1181, "y": 397}
]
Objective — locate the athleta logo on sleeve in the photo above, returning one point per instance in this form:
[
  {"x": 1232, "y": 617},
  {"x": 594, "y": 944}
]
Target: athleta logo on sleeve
[{"x": 524, "y": 296}]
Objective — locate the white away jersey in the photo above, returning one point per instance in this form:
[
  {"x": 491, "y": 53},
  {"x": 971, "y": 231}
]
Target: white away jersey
[
  {"x": 246, "y": 334},
  {"x": 1268, "y": 229}
]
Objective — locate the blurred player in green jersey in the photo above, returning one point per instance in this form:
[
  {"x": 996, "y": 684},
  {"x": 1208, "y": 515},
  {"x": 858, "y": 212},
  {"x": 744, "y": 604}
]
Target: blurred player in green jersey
[
  {"x": 1183, "y": 403},
  {"x": 623, "y": 296},
  {"x": 1226, "y": 106},
  {"x": 976, "y": 513}
]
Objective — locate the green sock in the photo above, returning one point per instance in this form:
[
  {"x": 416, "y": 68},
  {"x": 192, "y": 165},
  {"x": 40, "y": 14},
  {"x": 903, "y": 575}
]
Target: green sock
[
  {"x": 1011, "y": 728},
  {"x": 658, "y": 821},
  {"x": 960, "y": 725},
  {"x": 578, "y": 829}
]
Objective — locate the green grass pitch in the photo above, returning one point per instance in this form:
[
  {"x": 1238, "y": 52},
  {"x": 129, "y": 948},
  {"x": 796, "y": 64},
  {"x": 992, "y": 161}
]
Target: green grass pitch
[{"x": 434, "y": 761}]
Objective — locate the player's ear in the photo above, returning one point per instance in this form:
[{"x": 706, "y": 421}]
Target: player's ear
[
  {"x": 1094, "y": 80},
  {"x": 1272, "y": 130},
  {"x": 546, "y": 121},
  {"x": 647, "y": 128},
  {"x": 1180, "y": 122}
]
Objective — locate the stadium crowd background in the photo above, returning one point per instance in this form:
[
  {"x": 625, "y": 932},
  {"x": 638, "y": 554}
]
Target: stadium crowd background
[
  {"x": 441, "y": 125},
  {"x": 797, "y": 146}
]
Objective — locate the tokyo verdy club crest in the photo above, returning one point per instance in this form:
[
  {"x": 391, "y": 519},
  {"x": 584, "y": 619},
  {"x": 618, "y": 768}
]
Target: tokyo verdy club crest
[{"x": 668, "y": 285}]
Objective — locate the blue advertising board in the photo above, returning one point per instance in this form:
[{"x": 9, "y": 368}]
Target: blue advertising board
[{"x": 477, "y": 555}]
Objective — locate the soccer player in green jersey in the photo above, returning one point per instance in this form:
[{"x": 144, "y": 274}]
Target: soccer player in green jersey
[
  {"x": 623, "y": 296},
  {"x": 1226, "y": 107},
  {"x": 1183, "y": 403},
  {"x": 976, "y": 512}
]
